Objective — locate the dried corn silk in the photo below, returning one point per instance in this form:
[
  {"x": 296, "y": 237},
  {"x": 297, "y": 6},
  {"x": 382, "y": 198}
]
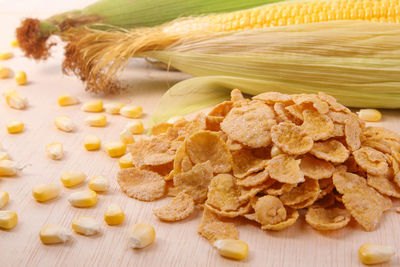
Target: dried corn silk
[
  {"x": 291, "y": 217},
  {"x": 327, "y": 219},
  {"x": 208, "y": 146},
  {"x": 245, "y": 163},
  {"x": 179, "y": 208},
  {"x": 195, "y": 182},
  {"x": 254, "y": 179},
  {"x": 285, "y": 169},
  {"x": 141, "y": 184},
  {"x": 223, "y": 193},
  {"x": 250, "y": 124},
  {"x": 273, "y": 97},
  {"x": 291, "y": 139},
  {"x": 316, "y": 168},
  {"x": 304, "y": 191},
  {"x": 269, "y": 210},
  {"x": 331, "y": 150},
  {"x": 346, "y": 181},
  {"x": 318, "y": 126},
  {"x": 383, "y": 185},
  {"x": 352, "y": 133},
  {"x": 371, "y": 160},
  {"x": 277, "y": 188}
]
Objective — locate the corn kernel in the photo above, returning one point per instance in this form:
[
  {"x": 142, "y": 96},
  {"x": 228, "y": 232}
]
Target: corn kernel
[
  {"x": 45, "y": 192},
  {"x": 72, "y": 178},
  {"x": 115, "y": 149},
  {"x": 14, "y": 43},
  {"x": 4, "y": 155},
  {"x": 114, "y": 215},
  {"x": 55, "y": 151},
  {"x": 375, "y": 254},
  {"x": 15, "y": 99},
  {"x": 85, "y": 226},
  {"x": 135, "y": 127},
  {"x": 126, "y": 161},
  {"x": 141, "y": 235},
  {"x": 8, "y": 219},
  {"x": 6, "y": 55},
  {"x": 4, "y": 198},
  {"x": 8, "y": 168},
  {"x": 4, "y": 72},
  {"x": 97, "y": 120},
  {"x": 92, "y": 142},
  {"x": 131, "y": 111},
  {"x": 126, "y": 137},
  {"x": 53, "y": 234},
  {"x": 14, "y": 126},
  {"x": 99, "y": 183},
  {"x": 64, "y": 124},
  {"x": 67, "y": 100},
  {"x": 231, "y": 248},
  {"x": 83, "y": 199},
  {"x": 93, "y": 106},
  {"x": 371, "y": 115},
  {"x": 113, "y": 108},
  {"x": 20, "y": 78}
]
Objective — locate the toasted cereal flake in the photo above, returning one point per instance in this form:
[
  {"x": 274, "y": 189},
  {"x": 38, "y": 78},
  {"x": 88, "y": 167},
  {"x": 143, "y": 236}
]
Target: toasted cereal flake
[
  {"x": 250, "y": 124},
  {"x": 333, "y": 104},
  {"x": 384, "y": 185},
  {"x": 163, "y": 170},
  {"x": 213, "y": 229},
  {"x": 245, "y": 163},
  {"x": 327, "y": 219},
  {"x": 269, "y": 210},
  {"x": 254, "y": 179},
  {"x": 236, "y": 95},
  {"x": 244, "y": 209},
  {"x": 378, "y": 133},
  {"x": 182, "y": 128},
  {"x": 248, "y": 193},
  {"x": 321, "y": 106},
  {"x": 325, "y": 202},
  {"x": 285, "y": 115},
  {"x": 285, "y": 169},
  {"x": 291, "y": 218},
  {"x": 205, "y": 145},
  {"x": 316, "y": 168},
  {"x": 382, "y": 145},
  {"x": 340, "y": 117},
  {"x": 182, "y": 162},
  {"x": 318, "y": 126},
  {"x": 273, "y": 97},
  {"x": 296, "y": 111},
  {"x": 346, "y": 181},
  {"x": 338, "y": 130},
  {"x": 223, "y": 193},
  {"x": 371, "y": 160},
  {"x": 179, "y": 208},
  {"x": 160, "y": 128},
  {"x": 277, "y": 188},
  {"x": 195, "y": 182},
  {"x": 331, "y": 150},
  {"x": 213, "y": 123},
  {"x": 306, "y": 203},
  {"x": 222, "y": 109},
  {"x": 141, "y": 184},
  {"x": 326, "y": 186},
  {"x": 352, "y": 133},
  {"x": 308, "y": 189},
  {"x": 291, "y": 139}
]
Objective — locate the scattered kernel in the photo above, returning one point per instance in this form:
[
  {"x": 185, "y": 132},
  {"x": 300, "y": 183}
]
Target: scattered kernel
[
  {"x": 97, "y": 120},
  {"x": 64, "y": 124},
  {"x": 55, "y": 151},
  {"x": 4, "y": 72},
  {"x": 67, "y": 100},
  {"x": 14, "y": 43},
  {"x": 126, "y": 161},
  {"x": 15, "y": 126},
  {"x": 232, "y": 248},
  {"x": 92, "y": 142},
  {"x": 375, "y": 254},
  {"x": 126, "y": 137},
  {"x": 53, "y": 234},
  {"x": 142, "y": 235},
  {"x": 83, "y": 199},
  {"x": 93, "y": 106},
  {"x": 6, "y": 55},
  {"x": 114, "y": 215},
  {"x": 370, "y": 115},
  {"x": 113, "y": 108},
  {"x": 20, "y": 78},
  {"x": 115, "y": 149},
  {"x": 133, "y": 112},
  {"x": 4, "y": 155},
  {"x": 8, "y": 168},
  {"x": 72, "y": 178},
  {"x": 135, "y": 127},
  {"x": 99, "y": 183},
  {"x": 85, "y": 226},
  {"x": 8, "y": 219},
  {"x": 15, "y": 99},
  {"x": 4, "y": 198},
  {"x": 45, "y": 192}
]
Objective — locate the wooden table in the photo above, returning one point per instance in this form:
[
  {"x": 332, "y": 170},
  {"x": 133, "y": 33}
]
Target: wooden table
[{"x": 177, "y": 244}]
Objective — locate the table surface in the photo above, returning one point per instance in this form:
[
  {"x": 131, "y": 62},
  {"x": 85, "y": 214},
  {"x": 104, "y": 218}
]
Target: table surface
[{"x": 177, "y": 244}]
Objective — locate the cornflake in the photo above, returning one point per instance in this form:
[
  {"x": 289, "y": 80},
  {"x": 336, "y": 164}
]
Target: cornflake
[
  {"x": 291, "y": 138},
  {"x": 285, "y": 169},
  {"x": 316, "y": 168},
  {"x": 327, "y": 219},
  {"x": 179, "y": 208}
]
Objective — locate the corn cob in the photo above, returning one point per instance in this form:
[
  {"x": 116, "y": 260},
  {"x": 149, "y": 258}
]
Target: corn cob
[{"x": 33, "y": 34}]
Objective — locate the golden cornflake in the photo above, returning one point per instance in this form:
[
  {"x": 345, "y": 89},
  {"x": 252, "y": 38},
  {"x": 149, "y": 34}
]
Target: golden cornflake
[
  {"x": 383, "y": 185},
  {"x": 284, "y": 115},
  {"x": 327, "y": 219},
  {"x": 273, "y": 97},
  {"x": 331, "y": 150},
  {"x": 245, "y": 163},
  {"x": 254, "y": 179},
  {"x": 179, "y": 208},
  {"x": 318, "y": 126},
  {"x": 223, "y": 193},
  {"x": 160, "y": 128},
  {"x": 308, "y": 189},
  {"x": 321, "y": 106},
  {"x": 326, "y": 186},
  {"x": 285, "y": 169},
  {"x": 291, "y": 138},
  {"x": 291, "y": 217},
  {"x": 346, "y": 181},
  {"x": 333, "y": 104},
  {"x": 182, "y": 162},
  {"x": 352, "y": 133},
  {"x": 371, "y": 160},
  {"x": 269, "y": 210},
  {"x": 316, "y": 168},
  {"x": 277, "y": 188}
]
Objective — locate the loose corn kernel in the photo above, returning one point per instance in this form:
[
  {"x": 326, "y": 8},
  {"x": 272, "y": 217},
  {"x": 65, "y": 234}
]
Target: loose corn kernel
[
  {"x": 4, "y": 155},
  {"x": 114, "y": 215},
  {"x": 67, "y": 100},
  {"x": 55, "y": 150},
  {"x": 126, "y": 137},
  {"x": 97, "y": 120},
  {"x": 115, "y": 149},
  {"x": 113, "y": 108},
  {"x": 14, "y": 43},
  {"x": 53, "y": 234},
  {"x": 6, "y": 55},
  {"x": 135, "y": 127},
  {"x": 4, "y": 72},
  {"x": 83, "y": 199},
  {"x": 64, "y": 124},
  {"x": 45, "y": 192},
  {"x": 14, "y": 99},
  {"x": 93, "y": 106},
  {"x": 141, "y": 235},
  {"x": 92, "y": 142},
  {"x": 8, "y": 219},
  {"x": 375, "y": 254},
  {"x": 131, "y": 111},
  {"x": 72, "y": 178},
  {"x": 8, "y": 168},
  {"x": 99, "y": 183},
  {"x": 20, "y": 78},
  {"x": 4, "y": 198},
  {"x": 85, "y": 226},
  {"x": 14, "y": 126},
  {"x": 232, "y": 248},
  {"x": 126, "y": 161},
  {"x": 369, "y": 114},
  {"x": 275, "y": 151}
]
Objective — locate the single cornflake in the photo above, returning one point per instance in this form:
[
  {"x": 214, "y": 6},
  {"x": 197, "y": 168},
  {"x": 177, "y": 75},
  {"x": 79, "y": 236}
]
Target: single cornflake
[
  {"x": 273, "y": 97},
  {"x": 316, "y": 168},
  {"x": 305, "y": 191},
  {"x": 277, "y": 188},
  {"x": 141, "y": 184},
  {"x": 182, "y": 162},
  {"x": 285, "y": 169},
  {"x": 301, "y": 99},
  {"x": 248, "y": 193},
  {"x": 340, "y": 117},
  {"x": 333, "y": 104},
  {"x": 325, "y": 202},
  {"x": 245, "y": 163},
  {"x": 296, "y": 111},
  {"x": 318, "y": 126},
  {"x": 346, "y": 181},
  {"x": 222, "y": 109},
  {"x": 213, "y": 123},
  {"x": 223, "y": 193},
  {"x": 163, "y": 170},
  {"x": 326, "y": 186},
  {"x": 291, "y": 217},
  {"x": 179, "y": 208},
  {"x": 382, "y": 145},
  {"x": 331, "y": 150},
  {"x": 352, "y": 133},
  {"x": 160, "y": 128},
  {"x": 237, "y": 96},
  {"x": 371, "y": 160},
  {"x": 291, "y": 139},
  {"x": 378, "y": 133},
  {"x": 327, "y": 219},
  {"x": 182, "y": 128},
  {"x": 254, "y": 179},
  {"x": 284, "y": 115},
  {"x": 384, "y": 185},
  {"x": 269, "y": 210}
]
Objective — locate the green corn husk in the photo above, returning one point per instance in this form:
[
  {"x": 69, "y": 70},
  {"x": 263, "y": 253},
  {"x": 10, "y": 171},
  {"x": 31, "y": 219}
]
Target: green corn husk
[{"x": 126, "y": 14}]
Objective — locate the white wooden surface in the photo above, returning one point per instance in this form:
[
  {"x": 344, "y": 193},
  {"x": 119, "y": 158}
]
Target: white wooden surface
[{"x": 177, "y": 244}]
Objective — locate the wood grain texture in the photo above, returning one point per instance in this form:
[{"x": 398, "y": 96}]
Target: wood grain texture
[{"x": 177, "y": 244}]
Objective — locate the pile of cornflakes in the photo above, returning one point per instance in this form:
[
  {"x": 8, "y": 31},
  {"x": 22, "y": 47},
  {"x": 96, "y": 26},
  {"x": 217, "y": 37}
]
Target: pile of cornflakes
[{"x": 265, "y": 159}]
